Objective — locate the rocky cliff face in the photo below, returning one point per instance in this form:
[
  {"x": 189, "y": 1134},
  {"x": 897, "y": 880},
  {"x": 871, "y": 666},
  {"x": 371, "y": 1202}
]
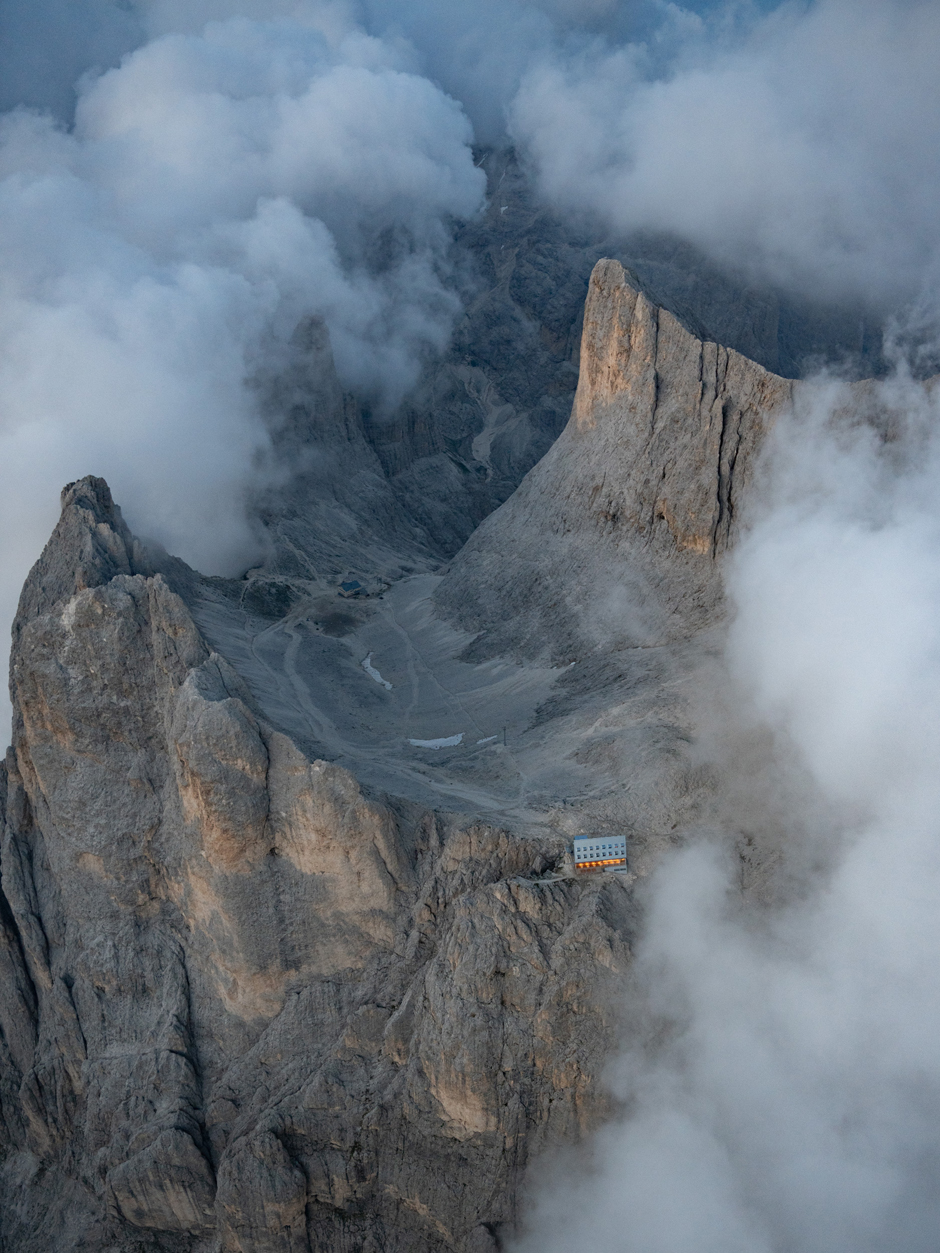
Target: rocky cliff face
[
  {"x": 244, "y": 1006},
  {"x": 248, "y": 1003},
  {"x": 643, "y": 490},
  {"x": 373, "y": 492}
]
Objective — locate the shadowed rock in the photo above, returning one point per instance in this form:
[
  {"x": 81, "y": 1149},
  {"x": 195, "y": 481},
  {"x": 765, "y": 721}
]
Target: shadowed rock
[{"x": 244, "y": 1006}]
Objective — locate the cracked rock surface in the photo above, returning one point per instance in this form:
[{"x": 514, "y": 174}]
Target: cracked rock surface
[{"x": 243, "y": 1005}]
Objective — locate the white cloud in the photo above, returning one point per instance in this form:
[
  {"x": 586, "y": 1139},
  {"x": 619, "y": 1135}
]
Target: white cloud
[
  {"x": 215, "y": 189},
  {"x": 805, "y": 150}
]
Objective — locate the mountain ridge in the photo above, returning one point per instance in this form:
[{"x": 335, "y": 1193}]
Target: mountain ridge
[{"x": 286, "y": 966}]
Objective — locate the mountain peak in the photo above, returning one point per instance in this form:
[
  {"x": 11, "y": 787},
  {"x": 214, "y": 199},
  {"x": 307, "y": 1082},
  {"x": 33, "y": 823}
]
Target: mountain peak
[
  {"x": 642, "y": 489},
  {"x": 90, "y": 544}
]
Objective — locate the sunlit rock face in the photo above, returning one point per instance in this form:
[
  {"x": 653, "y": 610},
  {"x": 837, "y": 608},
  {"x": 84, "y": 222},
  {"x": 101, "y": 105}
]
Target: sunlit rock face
[
  {"x": 643, "y": 490},
  {"x": 486, "y": 410},
  {"x": 243, "y": 1005},
  {"x": 254, "y": 1000}
]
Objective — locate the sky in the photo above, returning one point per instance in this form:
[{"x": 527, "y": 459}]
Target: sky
[{"x": 182, "y": 182}]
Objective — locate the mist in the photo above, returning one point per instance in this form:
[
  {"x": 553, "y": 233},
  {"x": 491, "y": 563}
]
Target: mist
[
  {"x": 799, "y": 147},
  {"x": 211, "y": 191}
]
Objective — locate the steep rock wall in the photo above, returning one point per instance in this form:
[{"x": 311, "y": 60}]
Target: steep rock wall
[
  {"x": 244, "y": 1006},
  {"x": 642, "y": 490},
  {"x": 485, "y": 412}
]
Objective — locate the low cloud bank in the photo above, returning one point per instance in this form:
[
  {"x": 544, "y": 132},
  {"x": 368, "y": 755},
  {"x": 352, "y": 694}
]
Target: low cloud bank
[
  {"x": 782, "y": 1088},
  {"x": 215, "y": 188},
  {"x": 801, "y": 146}
]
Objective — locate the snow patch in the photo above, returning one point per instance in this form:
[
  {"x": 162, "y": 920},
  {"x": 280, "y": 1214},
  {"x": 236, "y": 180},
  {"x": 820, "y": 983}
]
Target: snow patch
[
  {"x": 374, "y": 674},
  {"x": 449, "y": 742},
  {"x": 489, "y": 740}
]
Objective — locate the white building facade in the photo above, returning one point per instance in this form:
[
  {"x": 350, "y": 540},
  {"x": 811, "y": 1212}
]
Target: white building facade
[{"x": 600, "y": 852}]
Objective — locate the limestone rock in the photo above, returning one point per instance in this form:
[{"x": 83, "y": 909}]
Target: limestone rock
[
  {"x": 330, "y": 508},
  {"x": 486, "y": 410},
  {"x": 244, "y": 1006}
]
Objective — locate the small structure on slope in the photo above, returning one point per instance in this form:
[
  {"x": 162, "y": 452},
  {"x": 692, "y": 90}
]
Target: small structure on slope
[{"x": 600, "y": 852}]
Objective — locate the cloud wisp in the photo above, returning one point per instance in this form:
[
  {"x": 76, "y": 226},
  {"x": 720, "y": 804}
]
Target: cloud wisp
[{"x": 801, "y": 146}]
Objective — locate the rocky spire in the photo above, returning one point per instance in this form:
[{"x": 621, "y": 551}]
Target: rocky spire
[{"x": 89, "y": 546}]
